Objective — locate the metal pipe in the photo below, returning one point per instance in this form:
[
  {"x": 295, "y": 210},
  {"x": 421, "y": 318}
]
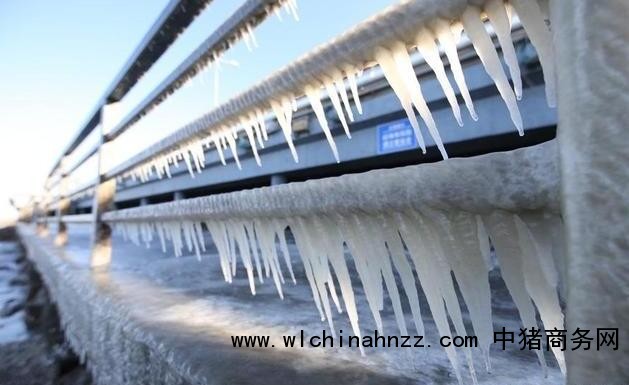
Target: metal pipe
[{"x": 519, "y": 180}]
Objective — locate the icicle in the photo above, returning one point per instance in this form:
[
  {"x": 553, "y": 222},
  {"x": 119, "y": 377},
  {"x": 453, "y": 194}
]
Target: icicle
[
  {"x": 253, "y": 246},
  {"x": 252, "y": 143},
  {"x": 342, "y": 90},
  {"x": 280, "y": 229},
  {"x": 219, "y": 148},
  {"x": 489, "y": 57},
  {"x": 503, "y": 234},
  {"x": 278, "y": 14},
  {"x": 305, "y": 252},
  {"x": 314, "y": 97},
  {"x": 336, "y": 102},
  {"x": 291, "y": 8},
  {"x": 461, "y": 242},
  {"x": 245, "y": 37},
  {"x": 428, "y": 49},
  {"x": 257, "y": 128},
  {"x": 227, "y": 135},
  {"x": 533, "y": 19},
  {"x": 501, "y": 21},
  {"x": 403, "y": 267},
  {"x": 429, "y": 277},
  {"x": 283, "y": 115},
  {"x": 385, "y": 60},
  {"x": 262, "y": 124},
  {"x": 406, "y": 71},
  {"x": 543, "y": 292},
  {"x": 351, "y": 78},
  {"x": 378, "y": 256},
  {"x": 370, "y": 277}
]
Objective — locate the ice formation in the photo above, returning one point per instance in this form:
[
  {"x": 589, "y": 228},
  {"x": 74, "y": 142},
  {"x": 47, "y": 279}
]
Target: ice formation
[
  {"x": 339, "y": 81},
  {"x": 428, "y": 225},
  {"x": 432, "y": 243}
]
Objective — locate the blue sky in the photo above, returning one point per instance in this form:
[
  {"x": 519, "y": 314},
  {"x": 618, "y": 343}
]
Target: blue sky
[{"x": 57, "y": 58}]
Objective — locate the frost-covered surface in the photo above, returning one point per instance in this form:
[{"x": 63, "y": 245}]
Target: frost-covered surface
[
  {"x": 593, "y": 81},
  {"x": 432, "y": 220},
  {"x": 157, "y": 319},
  {"x": 524, "y": 179},
  {"x": 331, "y": 71}
]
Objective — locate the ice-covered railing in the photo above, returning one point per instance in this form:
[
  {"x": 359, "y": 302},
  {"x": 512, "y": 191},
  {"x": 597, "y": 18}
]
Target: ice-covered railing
[
  {"x": 330, "y": 71},
  {"x": 238, "y": 26},
  {"x": 175, "y": 18},
  {"x": 440, "y": 215}
]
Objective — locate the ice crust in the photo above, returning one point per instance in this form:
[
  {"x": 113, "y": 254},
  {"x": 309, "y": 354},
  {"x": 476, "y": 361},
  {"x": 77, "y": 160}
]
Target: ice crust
[
  {"x": 325, "y": 73},
  {"x": 425, "y": 234}
]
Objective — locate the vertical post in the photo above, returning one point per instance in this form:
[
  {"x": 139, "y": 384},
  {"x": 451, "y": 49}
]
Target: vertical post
[
  {"x": 43, "y": 208},
  {"x": 63, "y": 206},
  {"x": 104, "y": 192},
  {"x": 593, "y": 99},
  {"x": 178, "y": 195}
]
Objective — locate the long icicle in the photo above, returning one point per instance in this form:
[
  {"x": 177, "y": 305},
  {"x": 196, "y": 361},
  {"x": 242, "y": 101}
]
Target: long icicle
[
  {"x": 500, "y": 20},
  {"x": 428, "y": 49},
  {"x": 489, "y": 57},
  {"x": 386, "y": 62},
  {"x": 405, "y": 68}
]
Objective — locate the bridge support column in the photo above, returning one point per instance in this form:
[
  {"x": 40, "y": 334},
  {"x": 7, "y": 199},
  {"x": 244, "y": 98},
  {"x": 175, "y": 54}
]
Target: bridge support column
[
  {"x": 593, "y": 79},
  {"x": 104, "y": 192}
]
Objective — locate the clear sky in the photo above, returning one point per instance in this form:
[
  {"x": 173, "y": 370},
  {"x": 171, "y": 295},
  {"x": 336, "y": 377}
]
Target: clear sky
[{"x": 58, "y": 57}]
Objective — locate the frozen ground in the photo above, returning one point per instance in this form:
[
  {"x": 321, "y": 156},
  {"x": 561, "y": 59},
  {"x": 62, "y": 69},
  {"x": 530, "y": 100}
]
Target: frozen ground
[{"x": 182, "y": 312}]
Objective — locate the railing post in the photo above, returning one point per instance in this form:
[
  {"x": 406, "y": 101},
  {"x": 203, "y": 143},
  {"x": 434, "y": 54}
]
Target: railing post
[
  {"x": 593, "y": 78},
  {"x": 40, "y": 215},
  {"x": 104, "y": 192},
  {"x": 63, "y": 206}
]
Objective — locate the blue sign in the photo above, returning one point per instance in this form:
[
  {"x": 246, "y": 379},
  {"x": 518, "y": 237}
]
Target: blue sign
[{"x": 396, "y": 136}]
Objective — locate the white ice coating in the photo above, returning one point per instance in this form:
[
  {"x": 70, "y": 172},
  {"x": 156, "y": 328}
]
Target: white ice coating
[
  {"x": 438, "y": 243},
  {"x": 440, "y": 35}
]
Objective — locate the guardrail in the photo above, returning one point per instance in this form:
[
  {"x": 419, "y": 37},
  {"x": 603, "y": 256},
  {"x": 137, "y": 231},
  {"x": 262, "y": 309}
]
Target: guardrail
[
  {"x": 592, "y": 144},
  {"x": 382, "y": 39},
  {"x": 173, "y": 20}
]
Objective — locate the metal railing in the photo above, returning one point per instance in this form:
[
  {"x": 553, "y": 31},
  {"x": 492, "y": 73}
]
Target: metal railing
[
  {"x": 173, "y": 20},
  {"x": 348, "y": 49}
]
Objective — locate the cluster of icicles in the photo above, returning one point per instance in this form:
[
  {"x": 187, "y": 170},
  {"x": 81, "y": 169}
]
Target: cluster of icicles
[
  {"x": 396, "y": 64},
  {"x": 437, "y": 243},
  {"x": 192, "y": 152}
]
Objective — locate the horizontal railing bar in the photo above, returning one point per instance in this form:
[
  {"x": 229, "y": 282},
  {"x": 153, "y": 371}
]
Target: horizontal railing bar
[
  {"x": 252, "y": 12},
  {"x": 78, "y": 218},
  {"x": 175, "y": 18},
  {"x": 520, "y": 180},
  {"x": 369, "y": 85},
  {"x": 83, "y": 158},
  {"x": 75, "y": 218},
  {"x": 83, "y": 188}
]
